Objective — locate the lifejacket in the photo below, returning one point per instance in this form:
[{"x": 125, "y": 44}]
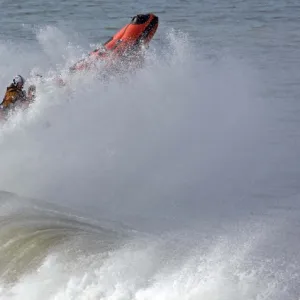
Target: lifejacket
[{"x": 12, "y": 95}]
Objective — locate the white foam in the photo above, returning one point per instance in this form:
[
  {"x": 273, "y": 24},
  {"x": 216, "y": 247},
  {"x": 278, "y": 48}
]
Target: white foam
[{"x": 171, "y": 140}]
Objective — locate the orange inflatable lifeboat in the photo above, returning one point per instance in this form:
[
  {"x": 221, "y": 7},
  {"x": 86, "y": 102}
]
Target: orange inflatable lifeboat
[{"x": 126, "y": 43}]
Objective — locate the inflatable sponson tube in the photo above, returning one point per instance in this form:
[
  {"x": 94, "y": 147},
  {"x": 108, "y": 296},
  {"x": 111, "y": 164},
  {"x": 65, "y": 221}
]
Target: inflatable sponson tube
[{"x": 128, "y": 39}]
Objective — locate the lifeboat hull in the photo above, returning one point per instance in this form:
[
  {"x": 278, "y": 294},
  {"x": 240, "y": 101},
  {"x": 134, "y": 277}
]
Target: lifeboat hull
[{"x": 125, "y": 45}]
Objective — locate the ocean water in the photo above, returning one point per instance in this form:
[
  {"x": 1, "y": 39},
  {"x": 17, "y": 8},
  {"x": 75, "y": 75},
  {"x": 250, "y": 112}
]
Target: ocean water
[{"x": 177, "y": 181}]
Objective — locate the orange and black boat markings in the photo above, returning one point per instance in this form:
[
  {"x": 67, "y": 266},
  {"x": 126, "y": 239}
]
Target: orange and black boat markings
[{"x": 128, "y": 40}]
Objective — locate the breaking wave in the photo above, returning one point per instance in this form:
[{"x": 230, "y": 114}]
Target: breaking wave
[{"x": 130, "y": 187}]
